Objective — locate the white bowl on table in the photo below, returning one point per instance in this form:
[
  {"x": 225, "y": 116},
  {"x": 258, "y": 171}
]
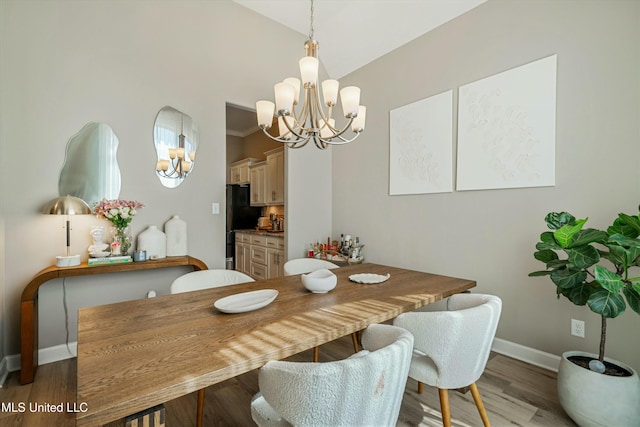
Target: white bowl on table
[{"x": 320, "y": 281}]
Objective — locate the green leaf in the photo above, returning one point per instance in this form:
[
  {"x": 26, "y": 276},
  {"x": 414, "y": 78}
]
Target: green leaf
[
  {"x": 579, "y": 295},
  {"x": 608, "y": 280},
  {"x": 616, "y": 255},
  {"x": 559, "y": 263},
  {"x": 620, "y": 227},
  {"x": 556, "y": 220},
  {"x": 583, "y": 256},
  {"x": 564, "y": 234},
  {"x": 632, "y": 293},
  {"x": 539, "y": 273},
  {"x": 545, "y": 255},
  {"x": 547, "y": 242},
  {"x": 567, "y": 278},
  {"x": 625, "y": 241},
  {"x": 590, "y": 235},
  {"x": 630, "y": 221},
  {"x": 607, "y": 304}
]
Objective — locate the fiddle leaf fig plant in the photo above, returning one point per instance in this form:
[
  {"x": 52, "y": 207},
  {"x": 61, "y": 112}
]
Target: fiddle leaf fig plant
[{"x": 593, "y": 267}]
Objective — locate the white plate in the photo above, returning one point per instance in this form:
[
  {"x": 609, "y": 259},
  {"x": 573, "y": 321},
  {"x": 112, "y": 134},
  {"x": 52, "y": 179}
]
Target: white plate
[
  {"x": 368, "y": 278},
  {"x": 246, "y": 301}
]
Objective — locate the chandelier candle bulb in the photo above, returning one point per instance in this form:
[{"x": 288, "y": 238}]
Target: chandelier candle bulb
[
  {"x": 284, "y": 132},
  {"x": 330, "y": 92},
  {"x": 296, "y": 88},
  {"x": 284, "y": 97},
  {"x": 309, "y": 70},
  {"x": 192, "y": 155},
  {"x": 327, "y": 129},
  {"x": 358, "y": 123},
  {"x": 264, "y": 110},
  {"x": 350, "y": 96},
  {"x": 180, "y": 152},
  {"x": 172, "y": 153}
]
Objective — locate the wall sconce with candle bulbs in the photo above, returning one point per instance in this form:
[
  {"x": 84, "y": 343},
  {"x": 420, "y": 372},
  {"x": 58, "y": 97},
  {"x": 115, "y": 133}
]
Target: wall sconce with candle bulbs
[
  {"x": 67, "y": 205},
  {"x": 176, "y": 140},
  {"x": 296, "y": 129}
]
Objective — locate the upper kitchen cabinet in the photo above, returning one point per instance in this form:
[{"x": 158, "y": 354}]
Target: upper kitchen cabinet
[
  {"x": 240, "y": 171},
  {"x": 257, "y": 178},
  {"x": 275, "y": 177}
]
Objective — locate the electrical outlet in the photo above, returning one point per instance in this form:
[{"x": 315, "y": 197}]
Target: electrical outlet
[{"x": 577, "y": 328}]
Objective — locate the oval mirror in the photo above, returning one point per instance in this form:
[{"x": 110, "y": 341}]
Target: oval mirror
[
  {"x": 175, "y": 136},
  {"x": 90, "y": 170}
]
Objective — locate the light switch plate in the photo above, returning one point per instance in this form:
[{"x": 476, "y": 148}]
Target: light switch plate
[{"x": 215, "y": 208}]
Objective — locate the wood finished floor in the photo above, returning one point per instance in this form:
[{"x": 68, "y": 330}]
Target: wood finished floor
[{"x": 514, "y": 394}]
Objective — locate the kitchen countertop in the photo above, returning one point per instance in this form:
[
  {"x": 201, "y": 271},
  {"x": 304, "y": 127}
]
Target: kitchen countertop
[{"x": 262, "y": 232}]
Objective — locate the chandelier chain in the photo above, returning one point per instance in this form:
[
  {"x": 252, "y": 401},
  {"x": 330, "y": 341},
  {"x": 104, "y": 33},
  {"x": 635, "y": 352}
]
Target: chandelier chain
[{"x": 311, "y": 23}]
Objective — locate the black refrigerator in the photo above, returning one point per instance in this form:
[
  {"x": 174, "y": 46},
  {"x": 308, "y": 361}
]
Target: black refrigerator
[{"x": 240, "y": 216}]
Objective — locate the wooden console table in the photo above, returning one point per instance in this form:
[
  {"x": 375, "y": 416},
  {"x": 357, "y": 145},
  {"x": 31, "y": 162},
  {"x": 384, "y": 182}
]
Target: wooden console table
[{"x": 29, "y": 304}]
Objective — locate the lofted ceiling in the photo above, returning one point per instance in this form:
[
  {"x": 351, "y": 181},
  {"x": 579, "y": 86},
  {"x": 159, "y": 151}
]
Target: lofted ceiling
[{"x": 351, "y": 33}]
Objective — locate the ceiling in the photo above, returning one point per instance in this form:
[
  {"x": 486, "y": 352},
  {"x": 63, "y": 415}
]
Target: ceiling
[
  {"x": 352, "y": 33},
  {"x": 372, "y": 28}
]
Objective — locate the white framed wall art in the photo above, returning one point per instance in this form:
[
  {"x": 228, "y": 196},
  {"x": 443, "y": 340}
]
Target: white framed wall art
[
  {"x": 507, "y": 128},
  {"x": 421, "y": 146}
]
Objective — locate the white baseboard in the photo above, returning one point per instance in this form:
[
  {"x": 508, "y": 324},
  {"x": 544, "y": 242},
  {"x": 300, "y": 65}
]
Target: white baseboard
[
  {"x": 4, "y": 371},
  {"x": 45, "y": 355},
  {"x": 507, "y": 348},
  {"x": 526, "y": 354}
]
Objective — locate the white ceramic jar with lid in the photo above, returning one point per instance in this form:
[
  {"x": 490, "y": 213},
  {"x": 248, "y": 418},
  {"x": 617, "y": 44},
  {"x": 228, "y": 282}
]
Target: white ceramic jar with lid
[
  {"x": 153, "y": 241},
  {"x": 176, "y": 231}
]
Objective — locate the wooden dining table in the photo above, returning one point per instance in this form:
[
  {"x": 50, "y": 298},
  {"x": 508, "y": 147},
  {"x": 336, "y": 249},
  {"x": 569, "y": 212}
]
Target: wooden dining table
[{"x": 138, "y": 354}]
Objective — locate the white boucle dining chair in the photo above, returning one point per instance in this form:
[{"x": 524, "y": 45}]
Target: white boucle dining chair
[
  {"x": 452, "y": 347},
  {"x": 308, "y": 265},
  {"x": 364, "y": 390},
  {"x": 206, "y": 279}
]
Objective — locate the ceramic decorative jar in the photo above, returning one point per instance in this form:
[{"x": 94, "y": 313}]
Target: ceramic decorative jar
[
  {"x": 154, "y": 242},
  {"x": 176, "y": 231}
]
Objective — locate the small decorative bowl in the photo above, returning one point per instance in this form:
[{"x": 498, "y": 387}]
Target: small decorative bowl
[{"x": 319, "y": 281}]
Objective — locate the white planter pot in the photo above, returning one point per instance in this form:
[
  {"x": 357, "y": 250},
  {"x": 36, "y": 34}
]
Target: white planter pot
[{"x": 598, "y": 400}]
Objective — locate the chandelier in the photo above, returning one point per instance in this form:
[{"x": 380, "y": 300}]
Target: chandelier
[
  {"x": 180, "y": 160},
  {"x": 310, "y": 122}
]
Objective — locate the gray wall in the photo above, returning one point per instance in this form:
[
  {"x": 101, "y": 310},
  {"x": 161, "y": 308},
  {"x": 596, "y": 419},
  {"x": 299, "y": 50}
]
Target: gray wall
[
  {"x": 490, "y": 235},
  {"x": 65, "y": 63}
]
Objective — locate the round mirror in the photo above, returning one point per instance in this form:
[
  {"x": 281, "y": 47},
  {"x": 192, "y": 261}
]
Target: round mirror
[
  {"x": 175, "y": 136},
  {"x": 90, "y": 169}
]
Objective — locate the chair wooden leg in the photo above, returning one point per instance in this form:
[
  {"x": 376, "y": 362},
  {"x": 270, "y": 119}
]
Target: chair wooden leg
[
  {"x": 420, "y": 387},
  {"x": 315, "y": 354},
  {"x": 444, "y": 407},
  {"x": 200, "y": 408},
  {"x": 476, "y": 398},
  {"x": 354, "y": 338}
]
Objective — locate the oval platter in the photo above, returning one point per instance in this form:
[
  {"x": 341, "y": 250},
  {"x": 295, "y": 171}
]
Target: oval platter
[
  {"x": 246, "y": 301},
  {"x": 368, "y": 278}
]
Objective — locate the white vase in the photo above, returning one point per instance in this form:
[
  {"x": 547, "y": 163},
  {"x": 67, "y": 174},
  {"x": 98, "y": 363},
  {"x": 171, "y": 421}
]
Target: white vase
[
  {"x": 176, "y": 231},
  {"x": 597, "y": 400},
  {"x": 153, "y": 241}
]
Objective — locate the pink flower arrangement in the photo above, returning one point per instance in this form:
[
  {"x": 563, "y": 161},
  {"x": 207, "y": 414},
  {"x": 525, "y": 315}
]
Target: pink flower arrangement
[{"x": 119, "y": 212}]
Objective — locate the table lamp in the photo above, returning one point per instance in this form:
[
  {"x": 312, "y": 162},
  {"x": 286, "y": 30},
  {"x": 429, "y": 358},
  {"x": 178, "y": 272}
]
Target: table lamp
[{"x": 67, "y": 205}]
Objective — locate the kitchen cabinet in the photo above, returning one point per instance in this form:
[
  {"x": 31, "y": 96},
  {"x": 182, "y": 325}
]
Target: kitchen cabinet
[
  {"x": 275, "y": 257},
  {"x": 260, "y": 256},
  {"x": 239, "y": 173},
  {"x": 275, "y": 177},
  {"x": 257, "y": 179},
  {"x": 243, "y": 260}
]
